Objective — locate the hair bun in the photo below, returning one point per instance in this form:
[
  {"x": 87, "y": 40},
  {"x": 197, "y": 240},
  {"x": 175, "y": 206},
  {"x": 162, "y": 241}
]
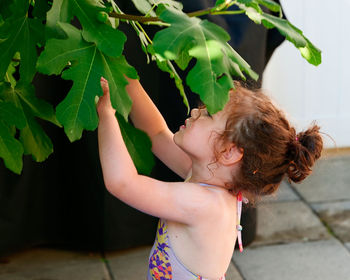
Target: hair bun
[{"x": 304, "y": 149}]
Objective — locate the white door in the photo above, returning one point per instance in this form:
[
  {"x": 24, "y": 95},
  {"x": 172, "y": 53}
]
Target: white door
[{"x": 307, "y": 92}]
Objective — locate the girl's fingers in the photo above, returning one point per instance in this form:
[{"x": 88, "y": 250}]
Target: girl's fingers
[
  {"x": 104, "y": 85},
  {"x": 104, "y": 102}
]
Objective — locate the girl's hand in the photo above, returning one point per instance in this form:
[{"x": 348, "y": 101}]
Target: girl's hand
[{"x": 104, "y": 104}]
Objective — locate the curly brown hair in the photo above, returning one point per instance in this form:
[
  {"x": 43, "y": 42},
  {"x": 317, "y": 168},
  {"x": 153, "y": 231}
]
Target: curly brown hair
[{"x": 271, "y": 147}]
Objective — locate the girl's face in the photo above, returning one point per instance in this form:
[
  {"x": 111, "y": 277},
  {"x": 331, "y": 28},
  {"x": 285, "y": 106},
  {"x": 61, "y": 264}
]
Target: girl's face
[{"x": 197, "y": 136}]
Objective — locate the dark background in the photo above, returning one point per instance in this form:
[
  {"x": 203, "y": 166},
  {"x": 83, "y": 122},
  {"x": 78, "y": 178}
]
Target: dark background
[{"x": 63, "y": 202}]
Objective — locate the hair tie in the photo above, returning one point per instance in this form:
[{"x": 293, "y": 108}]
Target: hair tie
[{"x": 296, "y": 138}]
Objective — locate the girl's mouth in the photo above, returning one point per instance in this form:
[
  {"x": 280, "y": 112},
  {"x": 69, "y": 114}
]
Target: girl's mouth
[{"x": 184, "y": 125}]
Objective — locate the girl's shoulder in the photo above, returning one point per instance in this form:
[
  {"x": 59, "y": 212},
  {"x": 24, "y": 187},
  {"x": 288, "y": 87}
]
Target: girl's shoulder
[{"x": 221, "y": 202}]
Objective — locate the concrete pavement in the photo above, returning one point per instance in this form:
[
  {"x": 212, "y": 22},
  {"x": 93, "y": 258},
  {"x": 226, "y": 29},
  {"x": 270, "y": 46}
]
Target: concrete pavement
[{"x": 303, "y": 233}]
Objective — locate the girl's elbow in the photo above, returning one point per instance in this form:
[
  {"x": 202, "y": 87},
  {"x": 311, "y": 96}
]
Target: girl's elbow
[
  {"x": 117, "y": 181},
  {"x": 114, "y": 185}
]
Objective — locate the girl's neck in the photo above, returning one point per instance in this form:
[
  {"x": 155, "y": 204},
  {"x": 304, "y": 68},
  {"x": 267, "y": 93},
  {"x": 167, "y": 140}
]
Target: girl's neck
[
  {"x": 214, "y": 174},
  {"x": 207, "y": 182}
]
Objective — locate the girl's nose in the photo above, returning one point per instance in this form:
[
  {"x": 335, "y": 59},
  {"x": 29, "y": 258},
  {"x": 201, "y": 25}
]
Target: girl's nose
[{"x": 194, "y": 113}]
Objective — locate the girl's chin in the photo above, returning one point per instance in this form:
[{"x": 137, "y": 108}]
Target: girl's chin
[{"x": 177, "y": 137}]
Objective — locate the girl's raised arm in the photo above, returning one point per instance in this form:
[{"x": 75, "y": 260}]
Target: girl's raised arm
[
  {"x": 145, "y": 116},
  {"x": 182, "y": 202}
]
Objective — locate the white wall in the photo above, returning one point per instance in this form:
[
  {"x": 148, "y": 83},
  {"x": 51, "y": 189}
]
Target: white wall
[{"x": 307, "y": 92}]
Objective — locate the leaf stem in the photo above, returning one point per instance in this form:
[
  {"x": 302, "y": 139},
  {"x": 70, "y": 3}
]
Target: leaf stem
[
  {"x": 228, "y": 12},
  {"x": 184, "y": 97},
  {"x": 154, "y": 5},
  {"x": 200, "y": 12},
  {"x": 144, "y": 32}
]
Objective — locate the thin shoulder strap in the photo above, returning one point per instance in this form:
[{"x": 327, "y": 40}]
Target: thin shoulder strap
[{"x": 239, "y": 227}]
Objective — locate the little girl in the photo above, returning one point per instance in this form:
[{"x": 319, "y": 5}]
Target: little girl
[{"x": 243, "y": 151}]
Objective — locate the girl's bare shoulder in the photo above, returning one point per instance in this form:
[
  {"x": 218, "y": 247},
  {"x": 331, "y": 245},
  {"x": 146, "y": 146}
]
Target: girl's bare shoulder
[{"x": 222, "y": 204}]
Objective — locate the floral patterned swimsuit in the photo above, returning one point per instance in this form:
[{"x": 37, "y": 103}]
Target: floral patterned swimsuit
[{"x": 163, "y": 263}]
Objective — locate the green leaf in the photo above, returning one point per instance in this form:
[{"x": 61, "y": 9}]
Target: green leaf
[
  {"x": 10, "y": 114},
  {"x": 9, "y": 8},
  {"x": 139, "y": 146},
  {"x": 250, "y": 5},
  {"x": 202, "y": 80},
  {"x": 37, "y": 107},
  {"x": 291, "y": 33},
  {"x": 11, "y": 150},
  {"x": 11, "y": 70},
  {"x": 77, "y": 111},
  {"x": 207, "y": 42},
  {"x": 238, "y": 64},
  {"x": 310, "y": 52},
  {"x": 183, "y": 59},
  {"x": 59, "y": 12},
  {"x": 34, "y": 139},
  {"x": 146, "y": 6},
  {"x": 167, "y": 3},
  {"x": 219, "y": 3},
  {"x": 271, "y": 5},
  {"x": 108, "y": 40},
  {"x": 20, "y": 34},
  {"x": 222, "y": 5}
]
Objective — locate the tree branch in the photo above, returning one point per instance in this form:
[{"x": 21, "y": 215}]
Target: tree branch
[
  {"x": 141, "y": 19},
  {"x": 144, "y": 19}
]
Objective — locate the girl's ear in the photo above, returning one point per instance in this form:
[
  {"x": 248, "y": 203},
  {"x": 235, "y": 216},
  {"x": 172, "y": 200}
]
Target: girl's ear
[{"x": 231, "y": 155}]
